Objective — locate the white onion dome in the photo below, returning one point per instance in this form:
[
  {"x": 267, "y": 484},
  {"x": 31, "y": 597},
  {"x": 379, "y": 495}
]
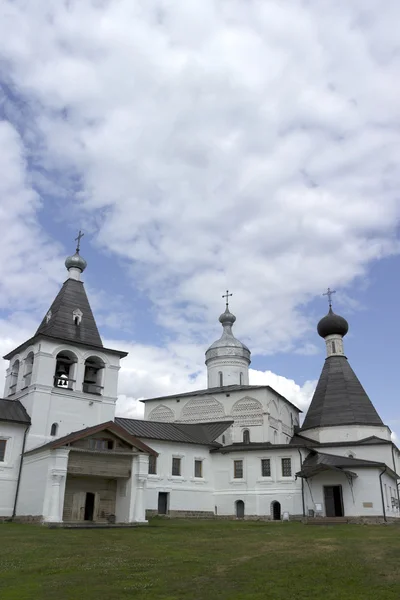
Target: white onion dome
[
  {"x": 228, "y": 345},
  {"x": 76, "y": 261}
]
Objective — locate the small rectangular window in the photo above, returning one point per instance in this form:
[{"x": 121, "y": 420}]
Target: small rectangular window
[
  {"x": 3, "y": 444},
  {"x": 176, "y": 466},
  {"x": 98, "y": 444},
  {"x": 265, "y": 467},
  {"x": 238, "y": 469},
  {"x": 152, "y": 465},
  {"x": 198, "y": 468},
  {"x": 286, "y": 467}
]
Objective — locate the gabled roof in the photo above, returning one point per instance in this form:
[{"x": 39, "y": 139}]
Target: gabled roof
[
  {"x": 317, "y": 462},
  {"x": 61, "y": 324},
  {"x": 13, "y": 411},
  {"x": 88, "y": 431},
  {"x": 198, "y": 433},
  {"x": 339, "y": 398},
  {"x": 226, "y": 389}
]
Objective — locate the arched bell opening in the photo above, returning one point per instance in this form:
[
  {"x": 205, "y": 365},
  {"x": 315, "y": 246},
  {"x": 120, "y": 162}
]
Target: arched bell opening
[
  {"x": 14, "y": 377},
  {"x": 28, "y": 369},
  {"x": 93, "y": 377},
  {"x": 65, "y": 374}
]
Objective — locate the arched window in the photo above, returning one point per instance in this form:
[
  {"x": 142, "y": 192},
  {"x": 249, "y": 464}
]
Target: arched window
[
  {"x": 275, "y": 437},
  {"x": 220, "y": 379},
  {"x": 54, "y": 429},
  {"x": 246, "y": 436},
  {"x": 92, "y": 381},
  {"x": 241, "y": 379},
  {"x": 64, "y": 377},
  {"x": 28, "y": 369},
  {"x": 77, "y": 315},
  {"x": 14, "y": 378}
]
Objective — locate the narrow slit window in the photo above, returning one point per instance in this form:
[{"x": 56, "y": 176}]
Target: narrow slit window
[
  {"x": 265, "y": 467},
  {"x": 221, "y": 379},
  {"x": 152, "y": 465},
  {"x": 198, "y": 468},
  {"x": 176, "y": 467},
  {"x": 238, "y": 469},
  {"x": 3, "y": 444},
  {"x": 333, "y": 347},
  {"x": 54, "y": 429}
]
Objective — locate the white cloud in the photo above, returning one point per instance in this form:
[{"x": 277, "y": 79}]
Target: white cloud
[
  {"x": 250, "y": 145},
  {"x": 241, "y": 144}
]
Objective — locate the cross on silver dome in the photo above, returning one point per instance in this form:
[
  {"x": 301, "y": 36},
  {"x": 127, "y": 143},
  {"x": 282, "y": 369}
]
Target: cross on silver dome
[{"x": 226, "y": 296}]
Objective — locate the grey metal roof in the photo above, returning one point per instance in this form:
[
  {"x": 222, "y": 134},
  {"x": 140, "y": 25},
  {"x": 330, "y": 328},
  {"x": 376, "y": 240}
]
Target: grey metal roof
[
  {"x": 318, "y": 461},
  {"x": 61, "y": 324},
  {"x": 373, "y": 440},
  {"x": 199, "y": 433},
  {"x": 226, "y": 389},
  {"x": 339, "y": 398},
  {"x": 14, "y": 411}
]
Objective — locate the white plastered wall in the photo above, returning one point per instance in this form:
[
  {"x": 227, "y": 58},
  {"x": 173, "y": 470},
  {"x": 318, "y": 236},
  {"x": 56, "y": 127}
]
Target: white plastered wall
[
  {"x": 70, "y": 409},
  {"x": 347, "y": 433},
  {"x": 274, "y": 422},
  {"x": 357, "y": 498},
  {"x": 14, "y": 435}
]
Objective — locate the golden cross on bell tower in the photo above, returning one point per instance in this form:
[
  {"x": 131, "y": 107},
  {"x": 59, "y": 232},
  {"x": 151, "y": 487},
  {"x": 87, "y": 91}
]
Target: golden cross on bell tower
[
  {"x": 78, "y": 240},
  {"x": 226, "y": 296},
  {"x": 329, "y": 293}
]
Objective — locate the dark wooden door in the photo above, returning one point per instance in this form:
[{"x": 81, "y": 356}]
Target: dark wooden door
[
  {"x": 89, "y": 506},
  {"x": 240, "y": 509},
  {"x": 333, "y": 501},
  {"x": 162, "y": 503}
]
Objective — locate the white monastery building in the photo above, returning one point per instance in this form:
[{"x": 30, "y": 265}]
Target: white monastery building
[{"x": 231, "y": 450}]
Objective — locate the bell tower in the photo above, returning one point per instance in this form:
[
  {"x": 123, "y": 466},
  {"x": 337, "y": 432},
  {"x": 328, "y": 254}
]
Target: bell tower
[{"x": 63, "y": 375}]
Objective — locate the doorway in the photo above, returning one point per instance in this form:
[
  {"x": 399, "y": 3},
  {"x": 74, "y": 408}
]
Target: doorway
[
  {"x": 89, "y": 506},
  {"x": 276, "y": 510},
  {"x": 240, "y": 509},
  {"x": 333, "y": 501},
  {"x": 163, "y": 503}
]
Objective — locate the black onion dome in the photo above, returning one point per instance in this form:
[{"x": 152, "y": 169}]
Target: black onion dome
[{"x": 332, "y": 324}]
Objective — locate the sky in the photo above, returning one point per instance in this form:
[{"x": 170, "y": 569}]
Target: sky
[{"x": 243, "y": 144}]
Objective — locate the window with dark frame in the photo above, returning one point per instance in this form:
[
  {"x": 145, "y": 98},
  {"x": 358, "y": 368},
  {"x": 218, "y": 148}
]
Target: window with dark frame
[
  {"x": 198, "y": 468},
  {"x": 265, "y": 467},
  {"x": 286, "y": 467},
  {"x": 152, "y": 465},
  {"x": 238, "y": 469},
  {"x": 3, "y": 444},
  {"x": 246, "y": 436},
  {"x": 176, "y": 466},
  {"x": 101, "y": 444}
]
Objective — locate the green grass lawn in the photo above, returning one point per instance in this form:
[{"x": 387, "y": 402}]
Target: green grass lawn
[{"x": 221, "y": 560}]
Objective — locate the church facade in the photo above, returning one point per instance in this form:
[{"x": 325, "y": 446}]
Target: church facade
[{"x": 230, "y": 450}]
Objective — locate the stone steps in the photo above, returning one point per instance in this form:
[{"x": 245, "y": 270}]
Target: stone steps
[{"x": 326, "y": 521}]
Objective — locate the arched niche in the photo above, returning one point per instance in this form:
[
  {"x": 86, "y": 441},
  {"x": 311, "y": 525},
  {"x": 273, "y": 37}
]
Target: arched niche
[
  {"x": 202, "y": 409},
  {"x": 247, "y": 411},
  {"x": 162, "y": 414}
]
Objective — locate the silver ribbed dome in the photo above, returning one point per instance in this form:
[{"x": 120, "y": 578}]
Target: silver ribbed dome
[
  {"x": 76, "y": 261},
  {"x": 227, "y": 343}
]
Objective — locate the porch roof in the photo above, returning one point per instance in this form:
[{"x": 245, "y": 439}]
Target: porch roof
[
  {"x": 82, "y": 433},
  {"x": 316, "y": 462}
]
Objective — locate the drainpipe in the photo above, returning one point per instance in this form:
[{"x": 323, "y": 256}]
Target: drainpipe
[
  {"x": 383, "y": 497},
  {"x": 302, "y": 483},
  {"x": 19, "y": 472},
  {"x": 397, "y": 481}
]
